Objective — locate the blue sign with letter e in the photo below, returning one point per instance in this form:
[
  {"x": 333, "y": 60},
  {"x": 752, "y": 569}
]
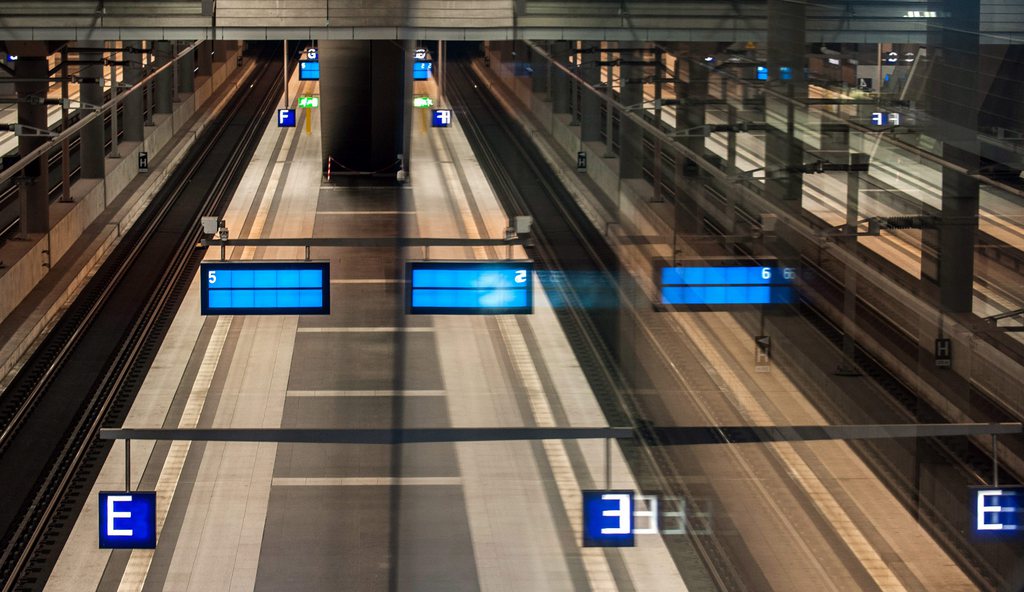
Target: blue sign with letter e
[
  {"x": 286, "y": 118},
  {"x": 608, "y": 518},
  {"x": 998, "y": 510},
  {"x": 127, "y": 520}
]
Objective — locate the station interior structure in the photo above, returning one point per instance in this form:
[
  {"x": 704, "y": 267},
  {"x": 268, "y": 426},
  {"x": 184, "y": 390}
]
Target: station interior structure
[{"x": 512, "y": 295}]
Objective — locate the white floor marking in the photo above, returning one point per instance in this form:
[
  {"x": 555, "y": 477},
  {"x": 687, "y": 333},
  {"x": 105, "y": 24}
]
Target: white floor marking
[
  {"x": 826, "y": 503},
  {"x": 363, "y": 481},
  {"x": 365, "y": 213},
  {"x": 407, "y": 393},
  {"x": 595, "y": 563},
  {"x": 366, "y": 329},
  {"x": 138, "y": 564},
  {"x": 368, "y": 281}
]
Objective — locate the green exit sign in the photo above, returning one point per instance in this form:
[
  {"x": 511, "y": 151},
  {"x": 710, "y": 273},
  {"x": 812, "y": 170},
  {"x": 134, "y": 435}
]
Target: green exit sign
[
  {"x": 423, "y": 102},
  {"x": 309, "y": 102}
]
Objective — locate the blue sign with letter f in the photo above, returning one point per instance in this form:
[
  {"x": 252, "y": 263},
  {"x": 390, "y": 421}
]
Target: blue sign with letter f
[{"x": 286, "y": 118}]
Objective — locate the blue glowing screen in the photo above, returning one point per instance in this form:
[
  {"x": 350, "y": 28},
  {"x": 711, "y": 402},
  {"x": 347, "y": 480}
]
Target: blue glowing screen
[
  {"x": 727, "y": 285},
  {"x": 608, "y": 518},
  {"x": 309, "y": 70},
  {"x": 421, "y": 70},
  {"x": 467, "y": 287},
  {"x": 265, "y": 287},
  {"x": 127, "y": 520},
  {"x": 762, "y": 73},
  {"x": 997, "y": 510}
]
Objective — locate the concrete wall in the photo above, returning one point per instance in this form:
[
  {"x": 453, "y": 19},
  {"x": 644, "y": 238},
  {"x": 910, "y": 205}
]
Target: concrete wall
[{"x": 29, "y": 262}]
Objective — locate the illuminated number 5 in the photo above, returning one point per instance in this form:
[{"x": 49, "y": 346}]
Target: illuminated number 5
[
  {"x": 211, "y": 277},
  {"x": 520, "y": 276},
  {"x": 766, "y": 273}
]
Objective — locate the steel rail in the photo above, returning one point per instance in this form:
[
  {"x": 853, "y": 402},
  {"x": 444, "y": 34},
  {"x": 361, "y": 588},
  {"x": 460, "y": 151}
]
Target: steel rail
[
  {"x": 720, "y": 570},
  {"x": 56, "y": 141},
  {"x": 77, "y": 447}
]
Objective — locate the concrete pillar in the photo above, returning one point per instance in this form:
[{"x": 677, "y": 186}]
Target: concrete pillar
[
  {"x": 631, "y": 96},
  {"x": 162, "y": 91},
  {"x": 952, "y": 99},
  {"x": 590, "y": 103},
  {"x": 34, "y": 186},
  {"x": 133, "y": 105},
  {"x": 92, "y": 138},
  {"x": 691, "y": 113},
  {"x": 220, "y": 51},
  {"x": 204, "y": 59},
  {"x": 609, "y": 101},
  {"x": 786, "y": 56},
  {"x": 559, "y": 79},
  {"x": 186, "y": 73},
  {"x": 365, "y": 86},
  {"x": 540, "y": 72}
]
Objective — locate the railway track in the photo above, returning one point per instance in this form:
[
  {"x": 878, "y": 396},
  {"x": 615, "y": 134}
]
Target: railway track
[
  {"x": 557, "y": 254},
  {"x": 580, "y": 273},
  {"x": 87, "y": 371}
]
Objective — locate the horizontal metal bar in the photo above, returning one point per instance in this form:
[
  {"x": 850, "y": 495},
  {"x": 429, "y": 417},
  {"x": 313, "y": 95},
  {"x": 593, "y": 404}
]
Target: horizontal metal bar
[
  {"x": 25, "y": 160},
  {"x": 671, "y": 436},
  {"x": 754, "y": 434},
  {"x": 365, "y": 436},
  {"x": 364, "y": 242}
]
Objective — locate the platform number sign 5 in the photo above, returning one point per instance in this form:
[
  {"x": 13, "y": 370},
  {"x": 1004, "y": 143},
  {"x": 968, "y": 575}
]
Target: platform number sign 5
[{"x": 520, "y": 277}]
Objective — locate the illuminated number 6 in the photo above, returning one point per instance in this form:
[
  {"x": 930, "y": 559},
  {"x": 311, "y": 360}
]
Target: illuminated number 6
[
  {"x": 766, "y": 273},
  {"x": 520, "y": 276}
]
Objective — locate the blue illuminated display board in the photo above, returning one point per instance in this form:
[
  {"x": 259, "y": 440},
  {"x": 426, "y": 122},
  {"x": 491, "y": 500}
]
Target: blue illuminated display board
[
  {"x": 997, "y": 511},
  {"x": 265, "y": 287},
  {"x": 309, "y": 70},
  {"x": 762, "y": 73},
  {"x": 608, "y": 518},
  {"x": 421, "y": 70},
  {"x": 469, "y": 287},
  {"x": 727, "y": 285},
  {"x": 127, "y": 520}
]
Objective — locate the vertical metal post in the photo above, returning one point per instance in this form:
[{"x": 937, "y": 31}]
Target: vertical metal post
[
  {"x": 284, "y": 53},
  {"x": 607, "y": 463},
  {"x": 307, "y": 252},
  {"x": 151, "y": 87},
  {"x": 127, "y": 464},
  {"x": 174, "y": 71},
  {"x": 848, "y": 366},
  {"x": 113, "y": 109},
  {"x": 65, "y": 152},
  {"x": 659, "y": 70},
  {"x": 995, "y": 461},
  {"x": 440, "y": 73},
  {"x": 878, "y": 71}
]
